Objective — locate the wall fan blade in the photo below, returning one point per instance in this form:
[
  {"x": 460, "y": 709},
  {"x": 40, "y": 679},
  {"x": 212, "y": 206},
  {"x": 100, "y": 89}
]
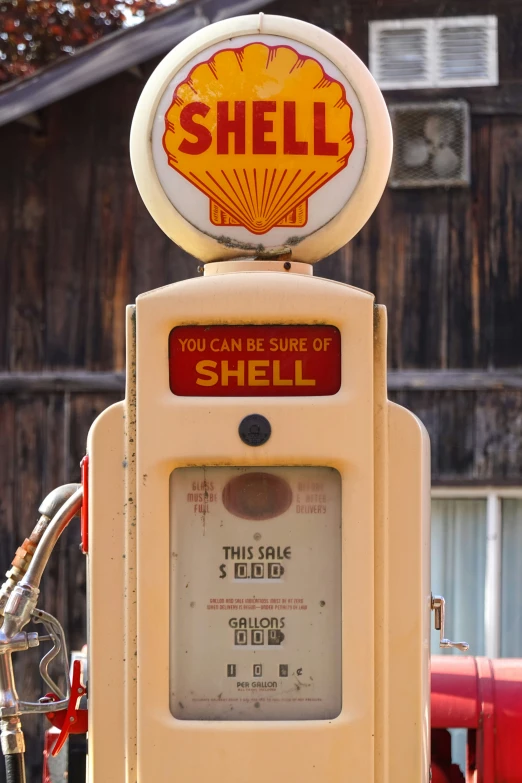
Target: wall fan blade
[
  {"x": 440, "y": 130},
  {"x": 445, "y": 162},
  {"x": 416, "y": 152}
]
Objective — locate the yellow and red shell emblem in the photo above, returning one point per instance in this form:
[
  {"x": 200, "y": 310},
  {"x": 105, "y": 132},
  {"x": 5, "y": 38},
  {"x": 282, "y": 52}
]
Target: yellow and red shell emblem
[{"x": 258, "y": 130}]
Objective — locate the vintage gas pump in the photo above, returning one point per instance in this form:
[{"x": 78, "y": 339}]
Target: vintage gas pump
[{"x": 257, "y": 512}]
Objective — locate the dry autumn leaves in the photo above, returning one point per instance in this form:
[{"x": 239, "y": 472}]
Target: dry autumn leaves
[{"x": 36, "y": 33}]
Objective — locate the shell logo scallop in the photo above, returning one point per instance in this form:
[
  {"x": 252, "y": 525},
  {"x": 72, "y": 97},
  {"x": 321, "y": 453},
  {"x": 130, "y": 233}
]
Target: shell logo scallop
[{"x": 258, "y": 130}]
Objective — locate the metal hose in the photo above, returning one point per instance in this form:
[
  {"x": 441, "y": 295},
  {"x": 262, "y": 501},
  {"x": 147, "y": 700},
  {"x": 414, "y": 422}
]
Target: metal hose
[
  {"x": 13, "y": 747},
  {"x": 24, "y": 597},
  {"x": 15, "y": 768},
  {"x": 49, "y": 539},
  {"x": 53, "y": 502},
  {"x": 48, "y": 508}
]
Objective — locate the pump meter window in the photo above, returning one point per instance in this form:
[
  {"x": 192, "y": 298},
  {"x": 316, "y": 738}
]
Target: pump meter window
[{"x": 255, "y": 593}]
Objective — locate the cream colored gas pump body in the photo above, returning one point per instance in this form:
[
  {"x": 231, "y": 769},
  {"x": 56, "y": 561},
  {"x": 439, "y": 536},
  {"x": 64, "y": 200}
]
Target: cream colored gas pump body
[{"x": 358, "y": 710}]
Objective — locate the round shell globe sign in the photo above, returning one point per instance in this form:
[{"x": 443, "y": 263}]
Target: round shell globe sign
[{"x": 259, "y": 136}]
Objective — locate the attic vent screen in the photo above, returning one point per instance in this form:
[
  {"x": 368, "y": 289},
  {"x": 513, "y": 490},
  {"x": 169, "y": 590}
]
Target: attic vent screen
[
  {"x": 403, "y": 53},
  {"x": 432, "y": 144},
  {"x": 450, "y": 52},
  {"x": 467, "y": 53}
]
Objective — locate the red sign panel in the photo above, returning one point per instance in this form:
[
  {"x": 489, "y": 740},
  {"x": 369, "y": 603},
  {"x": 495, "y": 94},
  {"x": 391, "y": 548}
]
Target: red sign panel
[{"x": 254, "y": 361}]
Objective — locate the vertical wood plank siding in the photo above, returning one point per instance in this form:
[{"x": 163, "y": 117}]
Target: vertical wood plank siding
[{"x": 76, "y": 245}]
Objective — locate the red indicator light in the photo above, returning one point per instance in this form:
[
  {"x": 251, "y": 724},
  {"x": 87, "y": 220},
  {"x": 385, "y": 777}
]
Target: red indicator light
[{"x": 257, "y": 496}]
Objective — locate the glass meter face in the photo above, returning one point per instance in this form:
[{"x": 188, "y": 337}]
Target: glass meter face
[{"x": 255, "y": 593}]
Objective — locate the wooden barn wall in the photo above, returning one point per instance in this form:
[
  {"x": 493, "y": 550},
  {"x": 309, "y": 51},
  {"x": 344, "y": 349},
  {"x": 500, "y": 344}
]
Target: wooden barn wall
[{"x": 76, "y": 245}]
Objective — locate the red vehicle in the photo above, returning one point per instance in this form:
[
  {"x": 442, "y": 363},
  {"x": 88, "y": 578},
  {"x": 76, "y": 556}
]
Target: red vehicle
[{"x": 483, "y": 696}]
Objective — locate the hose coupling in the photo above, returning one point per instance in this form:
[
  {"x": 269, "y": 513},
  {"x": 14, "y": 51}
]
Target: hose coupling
[
  {"x": 11, "y": 736},
  {"x": 19, "y": 608}
]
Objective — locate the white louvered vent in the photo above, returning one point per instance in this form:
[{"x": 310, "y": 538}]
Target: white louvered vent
[
  {"x": 451, "y": 52},
  {"x": 431, "y": 144},
  {"x": 402, "y": 55},
  {"x": 467, "y": 52}
]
